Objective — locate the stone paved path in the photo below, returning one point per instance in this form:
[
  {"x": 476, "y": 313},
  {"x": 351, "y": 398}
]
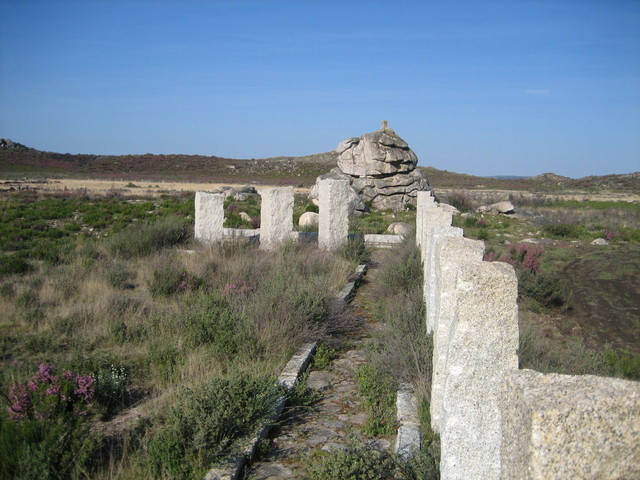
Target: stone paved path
[{"x": 329, "y": 423}]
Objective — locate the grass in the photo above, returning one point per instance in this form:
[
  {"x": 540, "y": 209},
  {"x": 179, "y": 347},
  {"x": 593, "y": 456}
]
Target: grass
[{"x": 150, "y": 323}]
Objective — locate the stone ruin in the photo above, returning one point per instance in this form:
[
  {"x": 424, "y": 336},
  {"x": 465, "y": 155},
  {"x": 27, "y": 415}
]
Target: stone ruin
[
  {"x": 496, "y": 421},
  {"x": 381, "y": 169},
  {"x": 276, "y": 218}
]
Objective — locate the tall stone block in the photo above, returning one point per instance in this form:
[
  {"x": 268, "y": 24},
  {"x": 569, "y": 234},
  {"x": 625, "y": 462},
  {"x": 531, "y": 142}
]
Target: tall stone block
[
  {"x": 569, "y": 427},
  {"x": 482, "y": 348},
  {"x": 333, "y": 224},
  {"x": 423, "y": 200},
  {"x": 432, "y": 215},
  {"x": 209, "y": 217},
  {"x": 430, "y": 279},
  {"x": 276, "y": 217},
  {"x": 450, "y": 255}
]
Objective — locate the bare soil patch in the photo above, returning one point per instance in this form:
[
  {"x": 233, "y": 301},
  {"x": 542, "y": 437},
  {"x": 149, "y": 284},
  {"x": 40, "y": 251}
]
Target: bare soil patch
[{"x": 604, "y": 295}]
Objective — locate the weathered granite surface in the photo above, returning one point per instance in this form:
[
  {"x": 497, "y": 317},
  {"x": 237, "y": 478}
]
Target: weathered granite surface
[{"x": 569, "y": 427}]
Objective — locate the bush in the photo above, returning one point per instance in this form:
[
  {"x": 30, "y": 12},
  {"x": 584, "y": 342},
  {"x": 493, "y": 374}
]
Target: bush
[
  {"x": 118, "y": 276},
  {"x": 44, "y": 435},
  {"x": 563, "y": 230},
  {"x": 110, "y": 387},
  {"x": 168, "y": 280},
  {"x": 13, "y": 265},
  {"x": 379, "y": 397},
  {"x": 356, "y": 462},
  {"x": 402, "y": 273},
  {"x": 544, "y": 288},
  {"x": 151, "y": 237},
  {"x": 204, "y": 424},
  {"x": 210, "y": 321},
  {"x": 355, "y": 251}
]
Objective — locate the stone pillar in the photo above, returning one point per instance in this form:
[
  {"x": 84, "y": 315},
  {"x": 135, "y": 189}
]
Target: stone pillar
[
  {"x": 431, "y": 215},
  {"x": 276, "y": 217},
  {"x": 450, "y": 255},
  {"x": 424, "y": 200},
  {"x": 209, "y": 213},
  {"x": 482, "y": 348},
  {"x": 430, "y": 279},
  {"x": 333, "y": 224},
  {"x": 569, "y": 426}
]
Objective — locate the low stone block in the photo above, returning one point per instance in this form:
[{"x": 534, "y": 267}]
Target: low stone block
[
  {"x": 276, "y": 217},
  {"x": 209, "y": 217},
  {"x": 333, "y": 224},
  {"x": 450, "y": 255},
  {"x": 482, "y": 348},
  {"x": 569, "y": 427}
]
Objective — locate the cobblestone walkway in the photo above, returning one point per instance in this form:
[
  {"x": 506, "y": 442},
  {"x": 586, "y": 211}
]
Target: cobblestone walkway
[{"x": 330, "y": 422}]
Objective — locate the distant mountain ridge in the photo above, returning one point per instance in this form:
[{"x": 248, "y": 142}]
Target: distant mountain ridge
[{"x": 17, "y": 159}]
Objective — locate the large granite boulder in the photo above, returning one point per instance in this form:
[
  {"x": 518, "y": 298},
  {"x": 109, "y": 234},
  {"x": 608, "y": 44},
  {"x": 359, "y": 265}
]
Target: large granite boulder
[{"x": 381, "y": 169}]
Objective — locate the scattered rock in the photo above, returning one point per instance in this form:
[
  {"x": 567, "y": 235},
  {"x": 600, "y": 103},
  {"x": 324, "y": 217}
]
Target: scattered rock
[
  {"x": 536, "y": 241},
  {"x": 449, "y": 208},
  {"x": 496, "y": 208},
  {"x": 245, "y": 217},
  {"x": 400, "y": 228},
  {"x": 241, "y": 197},
  {"x": 309, "y": 219},
  {"x": 599, "y": 241}
]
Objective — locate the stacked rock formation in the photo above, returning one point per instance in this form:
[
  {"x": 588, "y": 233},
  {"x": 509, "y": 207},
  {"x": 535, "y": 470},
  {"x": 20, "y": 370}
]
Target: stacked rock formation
[{"x": 381, "y": 169}]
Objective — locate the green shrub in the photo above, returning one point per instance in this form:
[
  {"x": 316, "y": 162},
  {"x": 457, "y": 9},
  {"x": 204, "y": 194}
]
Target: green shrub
[
  {"x": 45, "y": 450},
  {"x": 545, "y": 288},
  {"x": 356, "y": 462},
  {"x": 623, "y": 364},
  {"x": 164, "y": 358},
  {"x": 563, "y": 230},
  {"x": 379, "y": 397},
  {"x": 151, "y": 237},
  {"x": 170, "y": 279},
  {"x": 206, "y": 421},
  {"x": 7, "y": 291},
  {"x": 402, "y": 273},
  {"x": 28, "y": 299},
  {"x": 210, "y": 321},
  {"x": 111, "y": 383},
  {"x": 13, "y": 265},
  {"x": 118, "y": 276},
  {"x": 355, "y": 251}
]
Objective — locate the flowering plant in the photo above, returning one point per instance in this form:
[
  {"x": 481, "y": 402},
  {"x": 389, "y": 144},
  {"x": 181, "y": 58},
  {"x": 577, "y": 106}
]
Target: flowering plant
[
  {"x": 51, "y": 396},
  {"x": 521, "y": 256}
]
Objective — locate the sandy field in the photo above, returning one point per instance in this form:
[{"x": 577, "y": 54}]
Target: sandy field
[{"x": 142, "y": 187}]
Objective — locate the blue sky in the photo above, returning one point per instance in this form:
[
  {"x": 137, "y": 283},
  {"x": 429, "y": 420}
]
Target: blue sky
[{"x": 480, "y": 87}]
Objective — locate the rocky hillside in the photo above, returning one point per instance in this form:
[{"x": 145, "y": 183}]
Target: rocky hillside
[{"x": 17, "y": 160}]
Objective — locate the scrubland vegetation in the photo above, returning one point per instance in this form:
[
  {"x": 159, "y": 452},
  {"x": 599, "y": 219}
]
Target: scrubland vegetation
[
  {"x": 124, "y": 355},
  {"x": 177, "y": 351}
]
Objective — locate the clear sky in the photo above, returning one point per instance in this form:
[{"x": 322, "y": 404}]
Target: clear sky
[{"x": 482, "y": 87}]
